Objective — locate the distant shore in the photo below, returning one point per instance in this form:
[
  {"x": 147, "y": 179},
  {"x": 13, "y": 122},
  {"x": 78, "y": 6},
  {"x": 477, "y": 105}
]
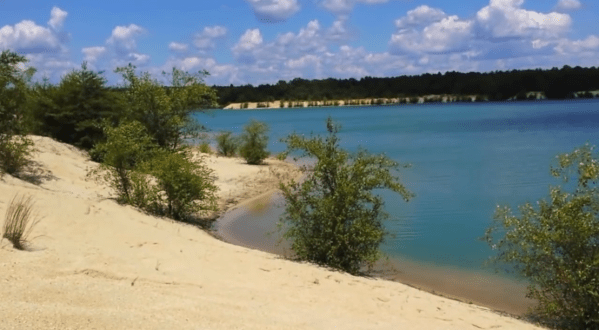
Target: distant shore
[{"x": 279, "y": 104}]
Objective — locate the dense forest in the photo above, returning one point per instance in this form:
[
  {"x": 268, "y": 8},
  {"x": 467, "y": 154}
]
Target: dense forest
[{"x": 499, "y": 85}]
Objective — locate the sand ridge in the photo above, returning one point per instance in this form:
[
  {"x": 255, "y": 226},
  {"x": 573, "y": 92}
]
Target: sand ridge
[{"x": 97, "y": 264}]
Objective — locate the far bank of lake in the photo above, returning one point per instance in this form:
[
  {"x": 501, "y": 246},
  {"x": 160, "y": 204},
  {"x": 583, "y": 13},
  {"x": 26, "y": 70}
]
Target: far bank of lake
[{"x": 466, "y": 159}]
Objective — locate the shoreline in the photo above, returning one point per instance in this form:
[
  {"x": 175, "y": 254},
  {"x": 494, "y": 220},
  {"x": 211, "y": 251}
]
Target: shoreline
[
  {"x": 433, "y": 98},
  {"x": 482, "y": 289},
  {"x": 123, "y": 267}
]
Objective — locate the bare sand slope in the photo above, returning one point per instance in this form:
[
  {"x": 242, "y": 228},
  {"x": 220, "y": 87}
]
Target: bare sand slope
[{"x": 95, "y": 264}]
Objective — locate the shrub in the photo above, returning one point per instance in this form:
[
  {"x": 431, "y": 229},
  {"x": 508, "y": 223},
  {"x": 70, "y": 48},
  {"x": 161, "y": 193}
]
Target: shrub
[
  {"x": 227, "y": 144},
  {"x": 126, "y": 146},
  {"x": 14, "y": 153},
  {"x": 555, "y": 245},
  {"x": 14, "y": 145},
  {"x": 187, "y": 185},
  {"x": 254, "y": 142},
  {"x": 204, "y": 148},
  {"x": 19, "y": 221},
  {"x": 333, "y": 217}
]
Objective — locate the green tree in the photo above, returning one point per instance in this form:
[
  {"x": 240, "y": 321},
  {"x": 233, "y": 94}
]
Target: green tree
[
  {"x": 254, "y": 141},
  {"x": 166, "y": 111},
  {"x": 14, "y": 93},
  {"x": 555, "y": 245},
  {"x": 333, "y": 217},
  {"x": 72, "y": 112}
]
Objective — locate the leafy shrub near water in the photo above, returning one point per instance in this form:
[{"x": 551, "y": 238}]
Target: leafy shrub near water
[
  {"x": 227, "y": 144},
  {"x": 187, "y": 184},
  {"x": 160, "y": 181},
  {"x": 333, "y": 217},
  {"x": 254, "y": 141},
  {"x": 555, "y": 245}
]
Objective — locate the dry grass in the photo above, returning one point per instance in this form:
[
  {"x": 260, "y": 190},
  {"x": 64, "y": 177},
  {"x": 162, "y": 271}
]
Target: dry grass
[{"x": 19, "y": 221}]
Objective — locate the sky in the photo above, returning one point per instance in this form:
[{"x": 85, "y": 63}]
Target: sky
[{"x": 263, "y": 41}]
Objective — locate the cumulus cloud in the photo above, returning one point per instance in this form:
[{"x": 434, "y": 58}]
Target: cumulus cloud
[
  {"x": 249, "y": 40},
  {"x": 206, "y": 40},
  {"x": 450, "y": 34},
  {"x": 568, "y": 5},
  {"x": 92, "y": 54},
  {"x": 420, "y": 17},
  {"x": 57, "y": 17},
  {"x": 502, "y": 29},
  {"x": 506, "y": 19},
  {"x": 274, "y": 10},
  {"x": 590, "y": 44},
  {"x": 124, "y": 38},
  {"x": 178, "y": 47},
  {"x": 28, "y": 37},
  {"x": 344, "y": 7}
]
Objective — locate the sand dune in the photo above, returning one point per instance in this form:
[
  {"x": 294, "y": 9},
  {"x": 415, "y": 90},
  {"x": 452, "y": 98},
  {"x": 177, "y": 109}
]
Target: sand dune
[{"x": 95, "y": 264}]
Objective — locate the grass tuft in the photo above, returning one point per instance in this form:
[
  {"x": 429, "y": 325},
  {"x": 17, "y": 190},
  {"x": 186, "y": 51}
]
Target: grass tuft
[{"x": 19, "y": 221}]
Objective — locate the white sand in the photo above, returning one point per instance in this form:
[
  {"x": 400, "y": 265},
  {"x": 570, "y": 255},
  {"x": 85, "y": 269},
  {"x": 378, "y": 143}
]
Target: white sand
[{"x": 95, "y": 264}]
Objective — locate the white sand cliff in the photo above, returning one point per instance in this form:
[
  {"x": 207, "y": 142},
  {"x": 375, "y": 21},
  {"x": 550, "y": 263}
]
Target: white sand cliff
[{"x": 95, "y": 264}]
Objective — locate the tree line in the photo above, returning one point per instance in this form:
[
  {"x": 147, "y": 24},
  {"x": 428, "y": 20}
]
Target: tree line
[{"x": 498, "y": 85}]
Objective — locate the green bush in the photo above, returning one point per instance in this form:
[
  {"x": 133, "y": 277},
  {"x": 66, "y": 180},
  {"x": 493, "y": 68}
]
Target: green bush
[
  {"x": 14, "y": 153},
  {"x": 204, "y": 148},
  {"x": 227, "y": 144},
  {"x": 254, "y": 142},
  {"x": 333, "y": 218},
  {"x": 19, "y": 221},
  {"x": 14, "y": 93},
  {"x": 555, "y": 245},
  {"x": 187, "y": 185},
  {"x": 126, "y": 146}
]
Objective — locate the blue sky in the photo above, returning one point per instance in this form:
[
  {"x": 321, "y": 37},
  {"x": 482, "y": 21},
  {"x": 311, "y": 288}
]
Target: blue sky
[{"x": 263, "y": 41}]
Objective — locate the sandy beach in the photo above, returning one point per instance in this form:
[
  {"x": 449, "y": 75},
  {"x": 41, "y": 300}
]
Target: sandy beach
[{"x": 95, "y": 264}]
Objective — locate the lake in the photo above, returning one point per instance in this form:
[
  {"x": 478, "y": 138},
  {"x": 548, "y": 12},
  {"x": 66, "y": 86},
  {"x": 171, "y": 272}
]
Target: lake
[{"x": 465, "y": 159}]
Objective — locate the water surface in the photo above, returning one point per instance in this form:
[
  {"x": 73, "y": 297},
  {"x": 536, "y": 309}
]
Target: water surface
[{"x": 466, "y": 159}]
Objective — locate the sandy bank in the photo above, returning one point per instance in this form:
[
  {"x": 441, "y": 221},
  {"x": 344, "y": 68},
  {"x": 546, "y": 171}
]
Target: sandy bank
[{"x": 97, "y": 264}]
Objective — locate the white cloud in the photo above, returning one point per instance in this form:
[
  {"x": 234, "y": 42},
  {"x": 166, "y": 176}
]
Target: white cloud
[
  {"x": 124, "y": 38},
  {"x": 92, "y": 54},
  {"x": 568, "y": 5},
  {"x": 420, "y": 17},
  {"x": 591, "y": 43},
  {"x": 206, "y": 40},
  {"x": 178, "y": 47},
  {"x": 344, "y": 7},
  {"x": 28, "y": 37},
  {"x": 249, "y": 41},
  {"x": 274, "y": 10},
  {"x": 57, "y": 17},
  {"x": 450, "y": 34},
  {"x": 505, "y": 19}
]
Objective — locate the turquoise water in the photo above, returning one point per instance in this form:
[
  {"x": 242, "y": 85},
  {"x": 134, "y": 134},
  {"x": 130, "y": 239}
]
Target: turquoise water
[{"x": 466, "y": 159}]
